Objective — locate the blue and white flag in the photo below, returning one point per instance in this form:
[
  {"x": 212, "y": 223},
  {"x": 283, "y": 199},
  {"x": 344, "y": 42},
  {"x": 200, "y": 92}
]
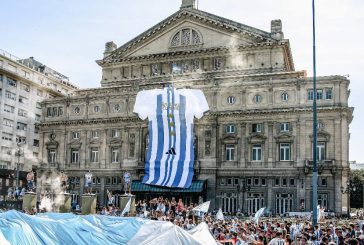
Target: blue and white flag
[
  {"x": 258, "y": 214},
  {"x": 219, "y": 215},
  {"x": 126, "y": 208},
  {"x": 170, "y": 155}
]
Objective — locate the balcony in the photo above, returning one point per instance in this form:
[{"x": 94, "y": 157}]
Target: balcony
[{"x": 321, "y": 165}]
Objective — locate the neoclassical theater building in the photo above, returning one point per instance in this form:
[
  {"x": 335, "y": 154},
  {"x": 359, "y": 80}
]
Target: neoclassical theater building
[{"x": 253, "y": 147}]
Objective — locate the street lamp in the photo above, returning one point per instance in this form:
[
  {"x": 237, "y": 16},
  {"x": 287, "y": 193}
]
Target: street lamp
[
  {"x": 347, "y": 190},
  {"x": 18, "y": 153}
]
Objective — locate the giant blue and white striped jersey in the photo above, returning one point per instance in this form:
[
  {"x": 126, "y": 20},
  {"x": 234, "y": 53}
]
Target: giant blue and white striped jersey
[{"x": 170, "y": 154}]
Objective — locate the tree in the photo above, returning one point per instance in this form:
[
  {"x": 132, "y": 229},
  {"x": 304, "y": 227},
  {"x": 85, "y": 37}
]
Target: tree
[{"x": 356, "y": 190}]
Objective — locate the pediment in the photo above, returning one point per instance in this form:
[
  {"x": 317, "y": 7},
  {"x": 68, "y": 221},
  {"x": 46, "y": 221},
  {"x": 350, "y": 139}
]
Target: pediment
[
  {"x": 257, "y": 137},
  {"x": 230, "y": 139},
  {"x": 215, "y": 32},
  {"x": 321, "y": 136},
  {"x": 284, "y": 137},
  {"x": 75, "y": 143}
]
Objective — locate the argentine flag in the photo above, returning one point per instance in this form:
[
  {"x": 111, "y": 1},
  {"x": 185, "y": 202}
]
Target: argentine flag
[{"x": 170, "y": 112}]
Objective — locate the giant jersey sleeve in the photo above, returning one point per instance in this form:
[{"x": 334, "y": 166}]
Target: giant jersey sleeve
[
  {"x": 141, "y": 102},
  {"x": 196, "y": 102}
]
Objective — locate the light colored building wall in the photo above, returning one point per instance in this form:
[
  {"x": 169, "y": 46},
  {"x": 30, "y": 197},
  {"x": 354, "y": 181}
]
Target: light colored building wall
[{"x": 28, "y": 86}]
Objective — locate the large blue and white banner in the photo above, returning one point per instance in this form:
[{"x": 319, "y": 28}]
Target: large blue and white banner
[
  {"x": 170, "y": 154},
  {"x": 58, "y": 229}
]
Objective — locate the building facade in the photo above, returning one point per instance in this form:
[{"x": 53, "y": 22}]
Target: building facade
[
  {"x": 254, "y": 146},
  {"x": 24, "y": 84}
]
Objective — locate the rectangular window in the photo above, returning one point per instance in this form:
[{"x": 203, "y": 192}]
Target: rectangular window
[
  {"x": 75, "y": 155},
  {"x": 38, "y": 105},
  {"x": 291, "y": 182},
  {"x": 7, "y": 137},
  {"x": 114, "y": 155},
  {"x": 264, "y": 182},
  {"x": 108, "y": 180},
  {"x": 310, "y": 94},
  {"x": 23, "y": 100},
  {"x": 217, "y": 64},
  {"x": 257, "y": 152},
  {"x": 321, "y": 151},
  {"x": 256, "y": 181},
  {"x": 277, "y": 182},
  {"x": 328, "y": 94},
  {"x": 10, "y": 95},
  {"x": 284, "y": 182},
  {"x": 54, "y": 111},
  {"x": 284, "y": 152},
  {"x": 236, "y": 181},
  {"x": 8, "y": 123},
  {"x": 36, "y": 129},
  {"x": 76, "y": 135},
  {"x": 230, "y": 129},
  {"x": 36, "y": 143},
  {"x": 94, "y": 134},
  {"x": 25, "y": 87},
  {"x": 22, "y": 113},
  {"x": 94, "y": 154},
  {"x": 222, "y": 181},
  {"x": 257, "y": 128},
  {"x": 319, "y": 94},
  {"x": 20, "y": 139},
  {"x": 229, "y": 151},
  {"x": 11, "y": 82},
  {"x": 37, "y": 117},
  {"x": 115, "y": 133},
  {"x": 323, "y": 182},
  {"x": 176, "y": 68},
  {"x": 52, "y": 156},
  {"x": 284, "y": 127},
  {"x": 21, "y": 126},
  {"x": 229, "y": 181},
  {"x": 249, "y": 181},
  {"x": 9, "y": 108}
]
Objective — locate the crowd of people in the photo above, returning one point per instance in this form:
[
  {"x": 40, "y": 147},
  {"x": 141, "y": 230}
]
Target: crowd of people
[{"x": 240, "y": 231}]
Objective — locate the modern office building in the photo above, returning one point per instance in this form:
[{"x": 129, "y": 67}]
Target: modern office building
[
  {"x": 254, "y": 146},
  {"x": 24, "y": 84}
]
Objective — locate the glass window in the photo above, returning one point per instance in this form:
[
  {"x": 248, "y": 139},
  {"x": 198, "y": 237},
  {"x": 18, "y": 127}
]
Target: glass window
[
  {"x": 284, "y": 127},
  {"x": 249, "y": 181},
  {"x": 229, "y": 151},
  {"x": 37, "y": 117},
  {"x": 8, "y": 123},
  {"x": 328, "y": 93},
  {"x": 324, "y": 182},
  {"x": 114, "y": 155},
  {"x": 263, "y": 182},
  {"x": 11, "y": 82},
  {"x": 115, "y": 133},
  {"x": 21, "y": 126},
  {"x": 75, "y": 155},
  {"x": 291, "y": 182},
  {"x": 97, "y": 109},
  {"x": 284, "y": 182},
  {"x": 319, "y": 94},
  {"x": 9, "y": 108},
  {"x": 256, "y": 127},
  {"x": 284, "y": 96},
  {"x": 22, "y": 113},
  {"x": 230, "y": 129},
  {"x": 38, "y": 105},
  {"x": 310, "y": 94},
  {"x": 321, "y": 151},
  {"x": 77, "y": 110},
  {"x": 236, "y": 181},
  {"x": 277, "y": 182},
  {"x": 75, "y": 135},
  {"x": 20, "y": 139},
  {"x": 217, "y": 63},
  {"x": 10, "y": 95},
  {"x": 117, "y": 107},
  {"x": 284, "y": 151},
  {"x": 257, "y": 152},
  {"x": 256, "y": 181},
  {"x": 231, "y": 100},
  {"x": 52, "y": 156},
  {"x": 94, "y": 154},
  {"x": 7, "y": 136},
  {"x": 229, "y": 181},
  {"x": 257, "y": 98},
  {"x": 94, "y": 134}
]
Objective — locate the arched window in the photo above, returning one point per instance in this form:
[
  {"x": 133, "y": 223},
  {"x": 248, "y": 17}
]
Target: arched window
[{"x": 186, "y": 37}]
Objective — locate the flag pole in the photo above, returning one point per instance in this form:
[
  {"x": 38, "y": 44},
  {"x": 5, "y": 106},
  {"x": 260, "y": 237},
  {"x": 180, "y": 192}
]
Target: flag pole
[{"x": 315, "y": 172}]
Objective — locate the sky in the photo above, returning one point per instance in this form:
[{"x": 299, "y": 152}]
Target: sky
[{"x": 69, "y": 35}]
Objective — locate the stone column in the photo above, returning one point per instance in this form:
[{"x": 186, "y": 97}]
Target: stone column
[
  {"x": 102, "y": 191},
  {"x": 269, "y": 193},
  {"x": 270, "y": 145},
  {"x": 243, "y": 145}
]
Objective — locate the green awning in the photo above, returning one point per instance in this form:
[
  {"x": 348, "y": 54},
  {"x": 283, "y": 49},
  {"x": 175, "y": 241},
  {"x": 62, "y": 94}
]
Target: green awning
[{"x": 197, "y": 186}]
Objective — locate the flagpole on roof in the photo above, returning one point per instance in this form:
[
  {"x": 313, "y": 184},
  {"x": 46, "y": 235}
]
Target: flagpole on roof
[{"x": 315, "y": 173}]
